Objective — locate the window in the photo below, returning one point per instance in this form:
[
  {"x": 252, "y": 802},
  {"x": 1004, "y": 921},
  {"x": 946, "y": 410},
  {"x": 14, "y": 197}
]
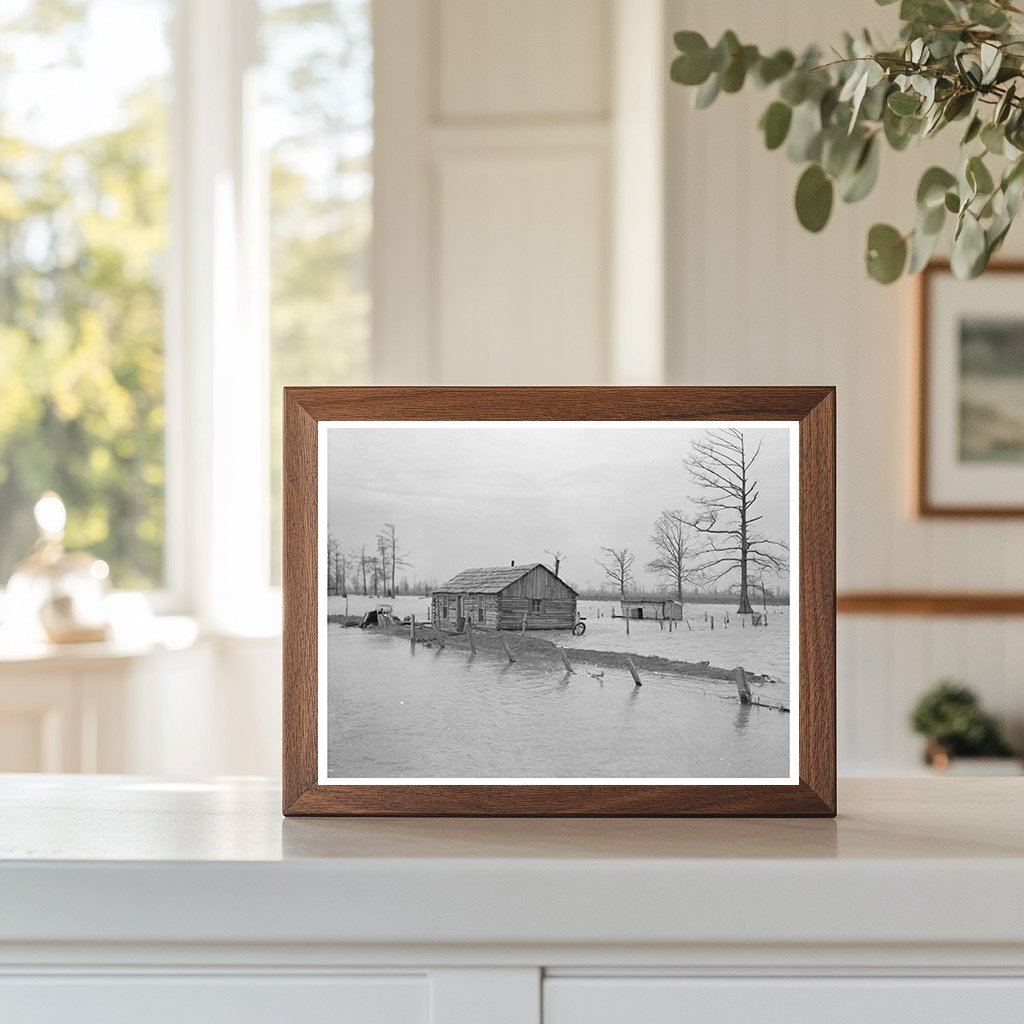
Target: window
[
  {"x": 535, "y": 604},
  {"x": 83, "y": 239},
  {"x": 317, "y": 120},
  {"x": 214, "y": 176}
]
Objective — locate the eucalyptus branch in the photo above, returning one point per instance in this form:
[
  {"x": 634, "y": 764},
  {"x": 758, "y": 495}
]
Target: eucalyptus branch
[{"x": 956, "y": 61}]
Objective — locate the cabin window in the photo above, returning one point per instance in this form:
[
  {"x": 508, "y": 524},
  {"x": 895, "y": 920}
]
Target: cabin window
[
  {"x": 535, "y": 604},
  {"x": 480, "y": 613}
]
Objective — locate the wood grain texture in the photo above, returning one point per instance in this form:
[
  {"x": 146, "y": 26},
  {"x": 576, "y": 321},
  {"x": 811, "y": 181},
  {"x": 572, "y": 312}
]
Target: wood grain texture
[
  {"x": 925, "y": 603},
  {"x": 813, "y": 407},
  {"x": 923, "y": 503}
]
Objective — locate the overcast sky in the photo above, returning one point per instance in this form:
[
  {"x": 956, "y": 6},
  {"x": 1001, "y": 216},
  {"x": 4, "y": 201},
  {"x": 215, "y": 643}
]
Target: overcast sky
[{"x": 464, "y": 497}]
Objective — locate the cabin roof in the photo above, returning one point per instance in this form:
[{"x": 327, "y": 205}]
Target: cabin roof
[{"x": 492, "y": 580}]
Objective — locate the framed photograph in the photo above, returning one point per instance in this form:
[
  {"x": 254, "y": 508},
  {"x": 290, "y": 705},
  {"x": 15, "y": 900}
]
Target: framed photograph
[
  {"x": 559, "y": 601},
  {"x": 970, "y": 451}
]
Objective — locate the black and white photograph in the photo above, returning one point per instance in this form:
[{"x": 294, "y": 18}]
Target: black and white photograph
[{"x": 558, "y": 602}]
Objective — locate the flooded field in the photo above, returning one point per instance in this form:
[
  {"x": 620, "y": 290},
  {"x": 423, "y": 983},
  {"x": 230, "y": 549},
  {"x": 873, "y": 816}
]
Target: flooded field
[
  {"x": 394, "y": 711},
  {"x": 763, "y": 650}
]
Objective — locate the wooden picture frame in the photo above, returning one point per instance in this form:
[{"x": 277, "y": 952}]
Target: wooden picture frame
[
  {"x": 810, "y": 790},
  {"x": 931, "y": 375}
]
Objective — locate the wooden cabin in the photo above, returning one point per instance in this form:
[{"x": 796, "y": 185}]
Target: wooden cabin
[
  {"x": 499, "y": 598},
  {"x": 643, "y": 608}
]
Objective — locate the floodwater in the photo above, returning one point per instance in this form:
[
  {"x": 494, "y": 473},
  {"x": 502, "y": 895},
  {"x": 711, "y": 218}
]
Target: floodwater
[
  {"x": 394, "y": 712},
  {"x": 764, "y": 650}
]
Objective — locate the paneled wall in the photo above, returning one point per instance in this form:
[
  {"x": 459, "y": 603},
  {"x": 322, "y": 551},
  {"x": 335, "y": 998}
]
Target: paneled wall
[
  {"x": 511, "y": 134},
  {"x": 753, "y": 299}
]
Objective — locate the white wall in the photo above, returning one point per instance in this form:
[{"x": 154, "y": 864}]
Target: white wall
[{"x": 754, "y": 299}]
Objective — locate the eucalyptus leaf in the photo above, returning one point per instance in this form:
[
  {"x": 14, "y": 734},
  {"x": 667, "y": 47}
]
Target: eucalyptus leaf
[
  {"x": 978, "y": 175},
  {"x": 993, "y": 138},
  {"x": 931, "y": 190},
  {"x": 771, "y": 69},
  {"x": 805, "y": 133},
  {"x": 968, "y": 255},
  {"x": 814, "y": 196},
  {"x": 922, "y": 247},
  {"x": 775, "y": 124},
  {"x": 707, "y": 93},
  {"x": 886, "y": 253},
  {"x": 904, "y": 103},
  {"x": 865, "y": 173}
]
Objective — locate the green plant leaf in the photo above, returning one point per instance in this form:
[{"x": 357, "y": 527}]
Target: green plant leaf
[
  {"x": 973, "y": 130},
  {"x": 775, "y": 124},
  {"x": 968, "y": 256},
  {"x": 693, "y": 65},
  {"x": 707, "y": 93},
  {"x": 805, "y": 133},
  {"x": 814, "y": 195},
  {"x": 922, "y": 247},
  {"x": 865, "y": 173},
  {"x": 886, "y": 254},
  {"x": 725, "y": 49},
  {"x": 794, "y": 89},
  {"x": 952, "y": 202},
  {"x": 993, "y": 138},
  {"x": 771, "y": 69},
  {"x": 978, "y": 176},
  {"x": 931, "y": 191},
  {"x": 904, "y": 103}
]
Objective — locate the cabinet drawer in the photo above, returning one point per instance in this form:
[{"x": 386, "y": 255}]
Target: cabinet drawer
[
  {"x": 202, "y": 999},
  {"x": 783, "y": 1000}
]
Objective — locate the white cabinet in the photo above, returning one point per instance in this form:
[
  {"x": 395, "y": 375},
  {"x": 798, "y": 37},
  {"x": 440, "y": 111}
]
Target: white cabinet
[
  {"x": 130, "y": 899},
  {"x": 828, "y": 1000},
  {"x": 202, "y": 999}
]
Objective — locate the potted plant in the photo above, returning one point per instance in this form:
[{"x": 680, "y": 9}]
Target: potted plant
[
  {"x": 956, "y": 62},
  {"x": 950, "y": 717}
]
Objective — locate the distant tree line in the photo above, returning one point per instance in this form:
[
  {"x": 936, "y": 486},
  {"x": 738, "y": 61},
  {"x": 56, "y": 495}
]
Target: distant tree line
[{"x": 369, "y": 568}]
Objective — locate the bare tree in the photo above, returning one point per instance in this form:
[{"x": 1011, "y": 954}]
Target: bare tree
[
  {"x": 618, "y": 567},
  {"x": 391, "y": 556},
  {"x": 673, "y": 540},
  {"x": 364, "y": 564},
  {"x": 722, "y": 465},
  {"x": 557, "y": 556}
]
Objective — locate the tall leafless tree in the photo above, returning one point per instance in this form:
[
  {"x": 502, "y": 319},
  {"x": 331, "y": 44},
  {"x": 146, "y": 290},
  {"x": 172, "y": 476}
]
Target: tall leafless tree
[
  {"x": 393, "y": 559},
  {"x": 618, "y": 567},
  {"x": 673, "y": 539},
  {"x": 364, "y": 564},
  {"x": 723, "y": 465},
  {"x": 557, "y": 556}
]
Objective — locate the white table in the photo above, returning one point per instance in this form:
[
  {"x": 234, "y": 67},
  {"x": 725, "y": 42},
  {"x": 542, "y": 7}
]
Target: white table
[{"x": 124, "y": 898}]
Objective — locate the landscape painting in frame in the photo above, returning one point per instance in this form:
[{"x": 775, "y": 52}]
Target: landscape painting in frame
[
  {"x": 557, "y": 602},
  {"x": 972, "y": 393}
]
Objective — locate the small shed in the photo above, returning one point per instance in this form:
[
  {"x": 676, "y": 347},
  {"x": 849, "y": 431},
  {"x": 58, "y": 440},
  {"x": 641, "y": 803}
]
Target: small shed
[
  {"x": 652, "y": 608},
  {"x": 505, "y": 597}
]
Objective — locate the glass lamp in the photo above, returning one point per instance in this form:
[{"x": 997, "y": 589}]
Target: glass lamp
[{"x": 55, "y": 595}]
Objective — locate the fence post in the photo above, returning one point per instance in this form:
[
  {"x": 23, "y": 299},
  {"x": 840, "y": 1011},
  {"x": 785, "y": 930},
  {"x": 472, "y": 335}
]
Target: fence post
[
  {"x": 469, "y": 633},
  {"x": 508, "y": 651},
  {"x": 633, "y": 672},
  {"x": 412, "y": 631},
  {"x": 742, "y": 686}
]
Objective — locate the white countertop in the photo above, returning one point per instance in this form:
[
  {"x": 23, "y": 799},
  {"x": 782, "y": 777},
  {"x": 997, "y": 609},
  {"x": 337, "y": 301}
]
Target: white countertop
[{"x": 120, "y": 859}]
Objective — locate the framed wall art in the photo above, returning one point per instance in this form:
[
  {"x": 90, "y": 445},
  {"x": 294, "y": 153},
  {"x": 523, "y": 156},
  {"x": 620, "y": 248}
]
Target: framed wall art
[
  {"x": 970, "y": 445},
  {"x": 559, "y": 601}
]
